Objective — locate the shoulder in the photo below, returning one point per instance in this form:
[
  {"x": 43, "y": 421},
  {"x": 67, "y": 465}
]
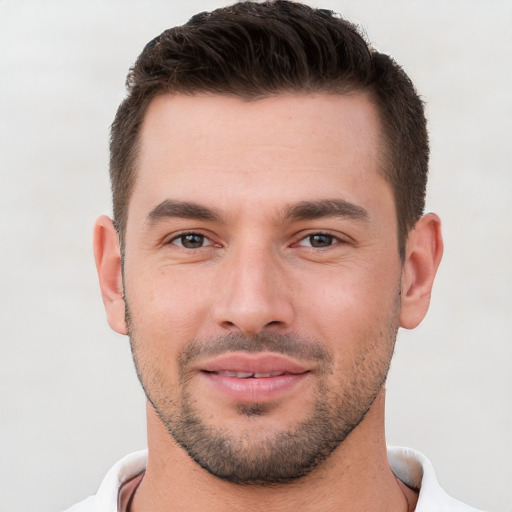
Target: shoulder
[
  {"x": 105, "y": 500},
  {"x": 416, "y": 471}
]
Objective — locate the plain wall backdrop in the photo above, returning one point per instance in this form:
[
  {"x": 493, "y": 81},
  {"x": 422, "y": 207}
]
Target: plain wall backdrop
[{"x": 70, "y": 404}]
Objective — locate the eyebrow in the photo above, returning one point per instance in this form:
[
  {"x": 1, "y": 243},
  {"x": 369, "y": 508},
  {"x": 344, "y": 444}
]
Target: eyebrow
[
  {"x": 310, "y": 210},
  {"x": 305, "y": 210},
  {"x": 171, "y": 208}
]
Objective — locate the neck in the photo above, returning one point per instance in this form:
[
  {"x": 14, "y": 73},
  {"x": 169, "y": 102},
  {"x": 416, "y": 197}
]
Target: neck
[{"x": 356, "y": 476}]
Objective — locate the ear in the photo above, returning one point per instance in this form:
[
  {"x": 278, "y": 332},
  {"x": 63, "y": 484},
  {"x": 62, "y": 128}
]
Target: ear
[
  {"x": 107, "y": 255},
  {"x": 423, "y": 255}
]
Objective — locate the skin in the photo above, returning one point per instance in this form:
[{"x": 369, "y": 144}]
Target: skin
[{"x": 257, "y": 271}]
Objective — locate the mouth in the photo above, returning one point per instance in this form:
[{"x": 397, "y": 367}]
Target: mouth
[
  {"x": 254, "y": 377},
  {"x": 249, "y": 375}
]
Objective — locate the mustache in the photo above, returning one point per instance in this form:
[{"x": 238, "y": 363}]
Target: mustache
[{"x": 292, "y": 345}]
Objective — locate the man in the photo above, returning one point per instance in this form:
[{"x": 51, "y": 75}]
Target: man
[{"x": 268, "y": 172}]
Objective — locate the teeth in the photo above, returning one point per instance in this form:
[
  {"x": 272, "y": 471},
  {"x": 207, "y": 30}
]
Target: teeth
[
  {"x": 238, "y": 375},
  {"x": 246, "y": 375},
  {"x": 263, "y": 375}
]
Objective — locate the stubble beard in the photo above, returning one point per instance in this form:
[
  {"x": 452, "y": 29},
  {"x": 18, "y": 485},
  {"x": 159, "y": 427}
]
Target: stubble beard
[{"x": 276, "y": 457}]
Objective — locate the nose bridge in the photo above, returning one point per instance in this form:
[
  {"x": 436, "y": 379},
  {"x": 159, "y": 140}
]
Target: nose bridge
[{"x": 253, "y": 295}]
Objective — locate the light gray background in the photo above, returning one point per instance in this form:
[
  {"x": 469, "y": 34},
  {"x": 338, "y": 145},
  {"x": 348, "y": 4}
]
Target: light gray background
[{"x": 70, "y": 404}]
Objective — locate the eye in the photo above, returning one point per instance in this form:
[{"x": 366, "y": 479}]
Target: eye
[
  {"x": 318, "y": 240},
  {"x": 191, "y": 241}
]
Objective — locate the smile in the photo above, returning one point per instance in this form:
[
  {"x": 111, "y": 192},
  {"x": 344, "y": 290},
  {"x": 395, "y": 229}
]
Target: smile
[
  {"x": 253, "y": 377},
  {"x": 249, "y": 375}
]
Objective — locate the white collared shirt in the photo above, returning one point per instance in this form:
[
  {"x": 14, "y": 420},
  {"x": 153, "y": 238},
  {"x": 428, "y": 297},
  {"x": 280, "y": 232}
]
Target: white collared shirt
[{"x": 410, "y": 466}]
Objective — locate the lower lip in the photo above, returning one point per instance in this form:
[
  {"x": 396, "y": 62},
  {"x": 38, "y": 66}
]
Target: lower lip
[{"x": 255, "y": 389}]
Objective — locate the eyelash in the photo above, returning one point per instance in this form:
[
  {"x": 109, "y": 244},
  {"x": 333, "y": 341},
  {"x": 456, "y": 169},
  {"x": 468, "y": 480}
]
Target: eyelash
[
  {"x": 334, "y": 240},
  {"x": 190, "y": 233}
]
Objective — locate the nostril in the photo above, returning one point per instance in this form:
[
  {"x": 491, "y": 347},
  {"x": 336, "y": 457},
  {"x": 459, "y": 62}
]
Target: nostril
[{"x": 248, "y": 329}]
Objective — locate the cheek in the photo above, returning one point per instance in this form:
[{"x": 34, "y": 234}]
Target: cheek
[
  {"x": 350, "y": 307},
  {"x": 165, "y": 311}
]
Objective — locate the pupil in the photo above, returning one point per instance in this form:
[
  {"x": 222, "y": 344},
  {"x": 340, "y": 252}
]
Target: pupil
[
  {"x": 320, "y": 240},
  {"x": 192, "y": 241}
]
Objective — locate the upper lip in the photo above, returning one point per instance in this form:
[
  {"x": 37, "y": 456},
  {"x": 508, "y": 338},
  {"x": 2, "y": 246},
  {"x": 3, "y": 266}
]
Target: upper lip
[{"x": 252, "y": 363}]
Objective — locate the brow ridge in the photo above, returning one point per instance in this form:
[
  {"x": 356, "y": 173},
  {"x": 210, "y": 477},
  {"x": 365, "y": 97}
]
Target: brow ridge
[
  {"x": 304, "y": 210},
  {"x": 172, "y": 208},
  {"x": 310, "y": 210}
]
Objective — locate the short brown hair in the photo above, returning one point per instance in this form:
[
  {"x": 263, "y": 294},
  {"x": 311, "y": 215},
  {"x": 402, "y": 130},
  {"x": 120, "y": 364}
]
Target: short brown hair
[{"x": 255, "y": 50}]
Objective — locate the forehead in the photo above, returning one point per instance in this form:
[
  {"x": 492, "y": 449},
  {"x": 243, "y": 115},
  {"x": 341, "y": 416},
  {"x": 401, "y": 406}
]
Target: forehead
[
  {"x": 227, "y": 123},
  {"x": 277, "y": 148}
]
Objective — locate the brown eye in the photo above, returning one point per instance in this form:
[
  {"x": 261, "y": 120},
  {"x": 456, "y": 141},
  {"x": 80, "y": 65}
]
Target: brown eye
[
  {"x": 191, "y": 241},
  {"x": 319, "y": 240}
]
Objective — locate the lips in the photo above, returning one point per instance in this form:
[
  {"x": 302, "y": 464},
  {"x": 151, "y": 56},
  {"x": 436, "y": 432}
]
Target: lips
[
  {"x": 242, "y": 363},
  {"x": 249, "y": 375},
  {"x": 253, "y": 377}
]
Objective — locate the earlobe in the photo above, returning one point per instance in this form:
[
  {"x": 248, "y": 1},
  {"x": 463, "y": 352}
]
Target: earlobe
[
  {"x": 423, "y": 255},
  {"x": 107, "y": 255}
]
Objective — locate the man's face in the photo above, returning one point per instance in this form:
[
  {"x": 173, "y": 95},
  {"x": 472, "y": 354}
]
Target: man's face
[{"x": 262, "y": 277}]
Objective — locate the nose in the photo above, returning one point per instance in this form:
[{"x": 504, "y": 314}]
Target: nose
[{"x": 253, "y": 293}]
